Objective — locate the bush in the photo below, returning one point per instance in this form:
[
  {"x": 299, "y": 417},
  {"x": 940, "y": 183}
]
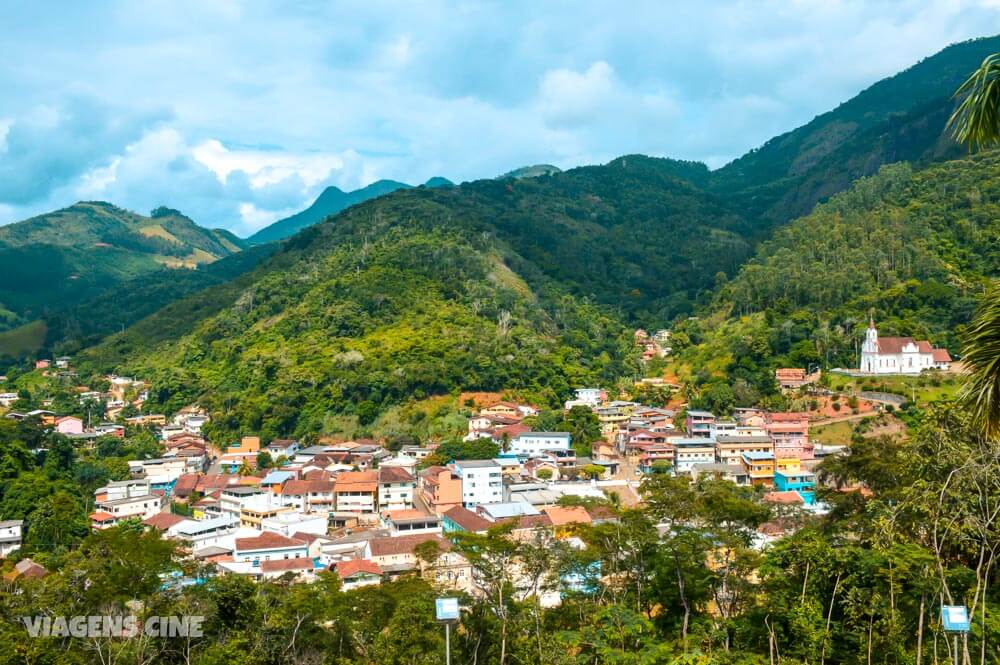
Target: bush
[{"x": 836, "y": 406}]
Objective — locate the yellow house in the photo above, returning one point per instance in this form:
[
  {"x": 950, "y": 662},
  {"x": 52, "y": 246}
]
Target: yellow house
[{"x": 784, "y": 464}]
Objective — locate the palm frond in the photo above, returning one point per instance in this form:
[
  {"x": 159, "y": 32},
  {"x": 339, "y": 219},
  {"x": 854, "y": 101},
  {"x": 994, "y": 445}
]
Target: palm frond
[
  {"x": 976, "y": 121},
  {"x": 981, "y": 357}
]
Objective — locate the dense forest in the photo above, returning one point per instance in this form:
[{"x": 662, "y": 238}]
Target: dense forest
[
  {"x": 914, "y": 249},
  {"x": 77, "y": 274}
]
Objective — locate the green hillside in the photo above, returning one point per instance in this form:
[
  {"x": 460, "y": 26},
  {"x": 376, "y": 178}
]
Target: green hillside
[
  {"x": 330, "y": 202},
  {"x": 914, "y": 248},
  {"x": 61, "y": 260},
  {"x": 900, "y": 118}
]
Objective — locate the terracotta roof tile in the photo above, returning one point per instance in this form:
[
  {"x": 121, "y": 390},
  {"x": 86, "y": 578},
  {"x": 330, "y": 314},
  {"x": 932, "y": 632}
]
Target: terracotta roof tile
[
  {"x": 387, "y": 546},
  {"x": 285, "y": 565},
  {"x": 348, "y": 569},
  {"x": 163, "y": 521},
  {"x": 266, "y": 541},
  {"x": 468, "y": 520}
]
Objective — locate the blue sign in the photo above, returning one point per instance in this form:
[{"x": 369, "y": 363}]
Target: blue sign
[
  {"x": 446, "y": 609},
  {"x": 955, "y": 618}
]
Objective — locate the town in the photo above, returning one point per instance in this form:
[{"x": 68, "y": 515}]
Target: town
[{"x": 367, "y": 513}]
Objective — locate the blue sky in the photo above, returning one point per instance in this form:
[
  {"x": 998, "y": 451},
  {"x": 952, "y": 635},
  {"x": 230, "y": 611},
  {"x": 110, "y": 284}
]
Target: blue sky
[{"x": 239, "y": 113}]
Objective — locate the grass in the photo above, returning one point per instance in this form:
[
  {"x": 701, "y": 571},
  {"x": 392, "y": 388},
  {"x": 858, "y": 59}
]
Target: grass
[
  {"x": 834, "y": 434},
  {"x": 920, "y": 389},
  {"x": 23, "y": 340}
]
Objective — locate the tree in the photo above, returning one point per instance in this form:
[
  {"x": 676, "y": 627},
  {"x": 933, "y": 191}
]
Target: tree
[
  {"x": 981, "y": 392},
  {"x": 264, "y": 460},
  {"x": 592, "y": 471},
  {"x": 976, "y": 121}
]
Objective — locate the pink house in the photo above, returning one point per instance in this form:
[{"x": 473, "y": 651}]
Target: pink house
[
  {"x": 790, "y": 434},
  {"x": 69, "y": 425}
]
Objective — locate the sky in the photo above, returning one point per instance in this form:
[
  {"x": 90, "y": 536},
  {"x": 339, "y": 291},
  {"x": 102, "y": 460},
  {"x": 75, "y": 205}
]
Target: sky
[{"x": 240, "y": 113}]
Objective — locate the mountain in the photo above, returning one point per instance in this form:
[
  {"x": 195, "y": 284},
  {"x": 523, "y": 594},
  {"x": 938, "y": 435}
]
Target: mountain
[
  {"x": 900, "y": 118},
  {"x": 916, "y": 249},
  {"x": 531, "y": 283},
  {"x": 490, "y": 285},
  {"x": 532, "y": 171},
  {"x": 58, "y": 262},
  {"x": 330, "y": 202}
]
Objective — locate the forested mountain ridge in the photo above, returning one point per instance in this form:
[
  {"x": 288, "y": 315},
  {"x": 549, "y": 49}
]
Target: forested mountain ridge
[
  {"x": 60, "y": 259},
  {"x": 900, "y": 118},
  {"x": 331, "y": 201},
  {"x": 913, "y": 248}
]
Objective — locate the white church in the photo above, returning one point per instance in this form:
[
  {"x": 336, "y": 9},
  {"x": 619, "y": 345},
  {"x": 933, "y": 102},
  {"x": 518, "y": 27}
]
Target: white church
[{"x": 899, "y": 355}]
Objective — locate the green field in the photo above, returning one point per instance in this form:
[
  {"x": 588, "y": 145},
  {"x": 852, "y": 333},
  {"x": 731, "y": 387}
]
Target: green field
[
  {"x": 23, "y": 339},
  {"x": 834, "y": 434},
  {"x": 921, "y": 389}
]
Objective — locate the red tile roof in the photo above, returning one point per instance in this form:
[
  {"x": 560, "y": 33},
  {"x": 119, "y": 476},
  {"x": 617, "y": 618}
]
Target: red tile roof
[
  {"x": 394, "y": 474},
  {"x": 186, "y": 484},
  {"x": 266, "y": 541},
  {"x": 163, "y": 521},
  {"x": 468, "y": 520},
  {"x": 348, "y": 569},
  {"x": 300, "y": 487},
  {"x": 786, "y": 498},
  {"x": 941, "y": 356},
  {"x": 568, "y": 515},
  {"x": 387, "y": 546},
  {"x": 101, "y": 516},
  {"x": 357, "y": 481},
  {"x": 285, "y": 565}
]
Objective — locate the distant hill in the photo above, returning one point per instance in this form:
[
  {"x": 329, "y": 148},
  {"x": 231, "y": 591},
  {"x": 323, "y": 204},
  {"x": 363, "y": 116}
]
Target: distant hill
[
  {"x": 900, "y": 118},
  {"x": 330, "y": 202},
  {"x": 532, "y": 171},
  {"x": 56, "y": 261}
]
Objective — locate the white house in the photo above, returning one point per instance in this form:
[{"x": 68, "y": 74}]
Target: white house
[
  {"x": 269, "y": 546},
  {"x": 396, "y": 488},
  {"x": 199, "y": 534},
  {"x": 534, "y": 444},
  {"x": 6, "y": 399},
  {"x": 108, "y": 513},
  {"x": 899, "y": 355},
  {"x": 481, "y": 481},
  {"x": 10, "y": 536}
]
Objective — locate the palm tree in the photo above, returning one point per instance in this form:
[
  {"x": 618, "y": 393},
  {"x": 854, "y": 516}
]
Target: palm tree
[
  {"x": 976, "y": 121},
  {"x": 981, "y": 357}
]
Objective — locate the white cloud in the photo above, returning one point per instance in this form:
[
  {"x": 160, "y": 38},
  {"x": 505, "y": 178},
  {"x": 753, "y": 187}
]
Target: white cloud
[{"x": 238, "y": 112}]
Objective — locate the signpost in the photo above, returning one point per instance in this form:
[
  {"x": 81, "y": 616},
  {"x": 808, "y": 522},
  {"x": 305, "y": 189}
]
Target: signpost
[
  {"x": 955, "y": 619},
  {"x": 447, "y": 612}
]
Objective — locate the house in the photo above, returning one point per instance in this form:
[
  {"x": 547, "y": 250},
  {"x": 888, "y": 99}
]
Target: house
[
  {"x": 792, "y": 378},
  {"x": 459, "y": 519},
  {"x": 233, "y": 498},
  {"x": 26, "y": 568},
  {"x": 301, "y": 568},
  {"x": 109, "y": 513},
  {"x": 199, "y": 534},
  {"x": 293, "y": 524},
  {"x": 164, "y": 521},
  {"x": 121, "y": 489},
  {"x": 161, "y": 472},
  {"x": 760, "y": 468},
  {"x": 282, "y": 448},
  {"x": 43, "y": 364},
  {"x": 398, "y": 555},
  {"x": 542, "y": 468},
  {"x": 357, "y": 573},
  {"x": 691, "y": 451},
  {"x": 69, "y": 425},
  {"x": 699, "y": 423},
  {"x": 274, "y": 481},
  {"x": 6, "y": 399},
  {"x": 790, "y": 434},
  {"x": 357, "y": 492},
  {"x": 268, "y": 547},
  {"x": 408, "y": 522},
  {"x": 308, "y": 495},
  {"x": 440, "y": 488},
  {"x": 534, "y": 444},
  {"x": 730, "y": 449},
  {"x": 481, "y": 481},
  {"x": 396, "y": 488},
  {"x": 11, "y": 534},
  {"x": 899, "y": 355},
  {"x": 803, "y": 482},
  {"x": 734, "y": 473},
  {"x": 588, "y": 397},
  {"x": 259, "y": 507}
]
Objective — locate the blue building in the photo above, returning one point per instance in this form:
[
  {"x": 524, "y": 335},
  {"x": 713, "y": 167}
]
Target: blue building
[{"x": 803, "y": 482}]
